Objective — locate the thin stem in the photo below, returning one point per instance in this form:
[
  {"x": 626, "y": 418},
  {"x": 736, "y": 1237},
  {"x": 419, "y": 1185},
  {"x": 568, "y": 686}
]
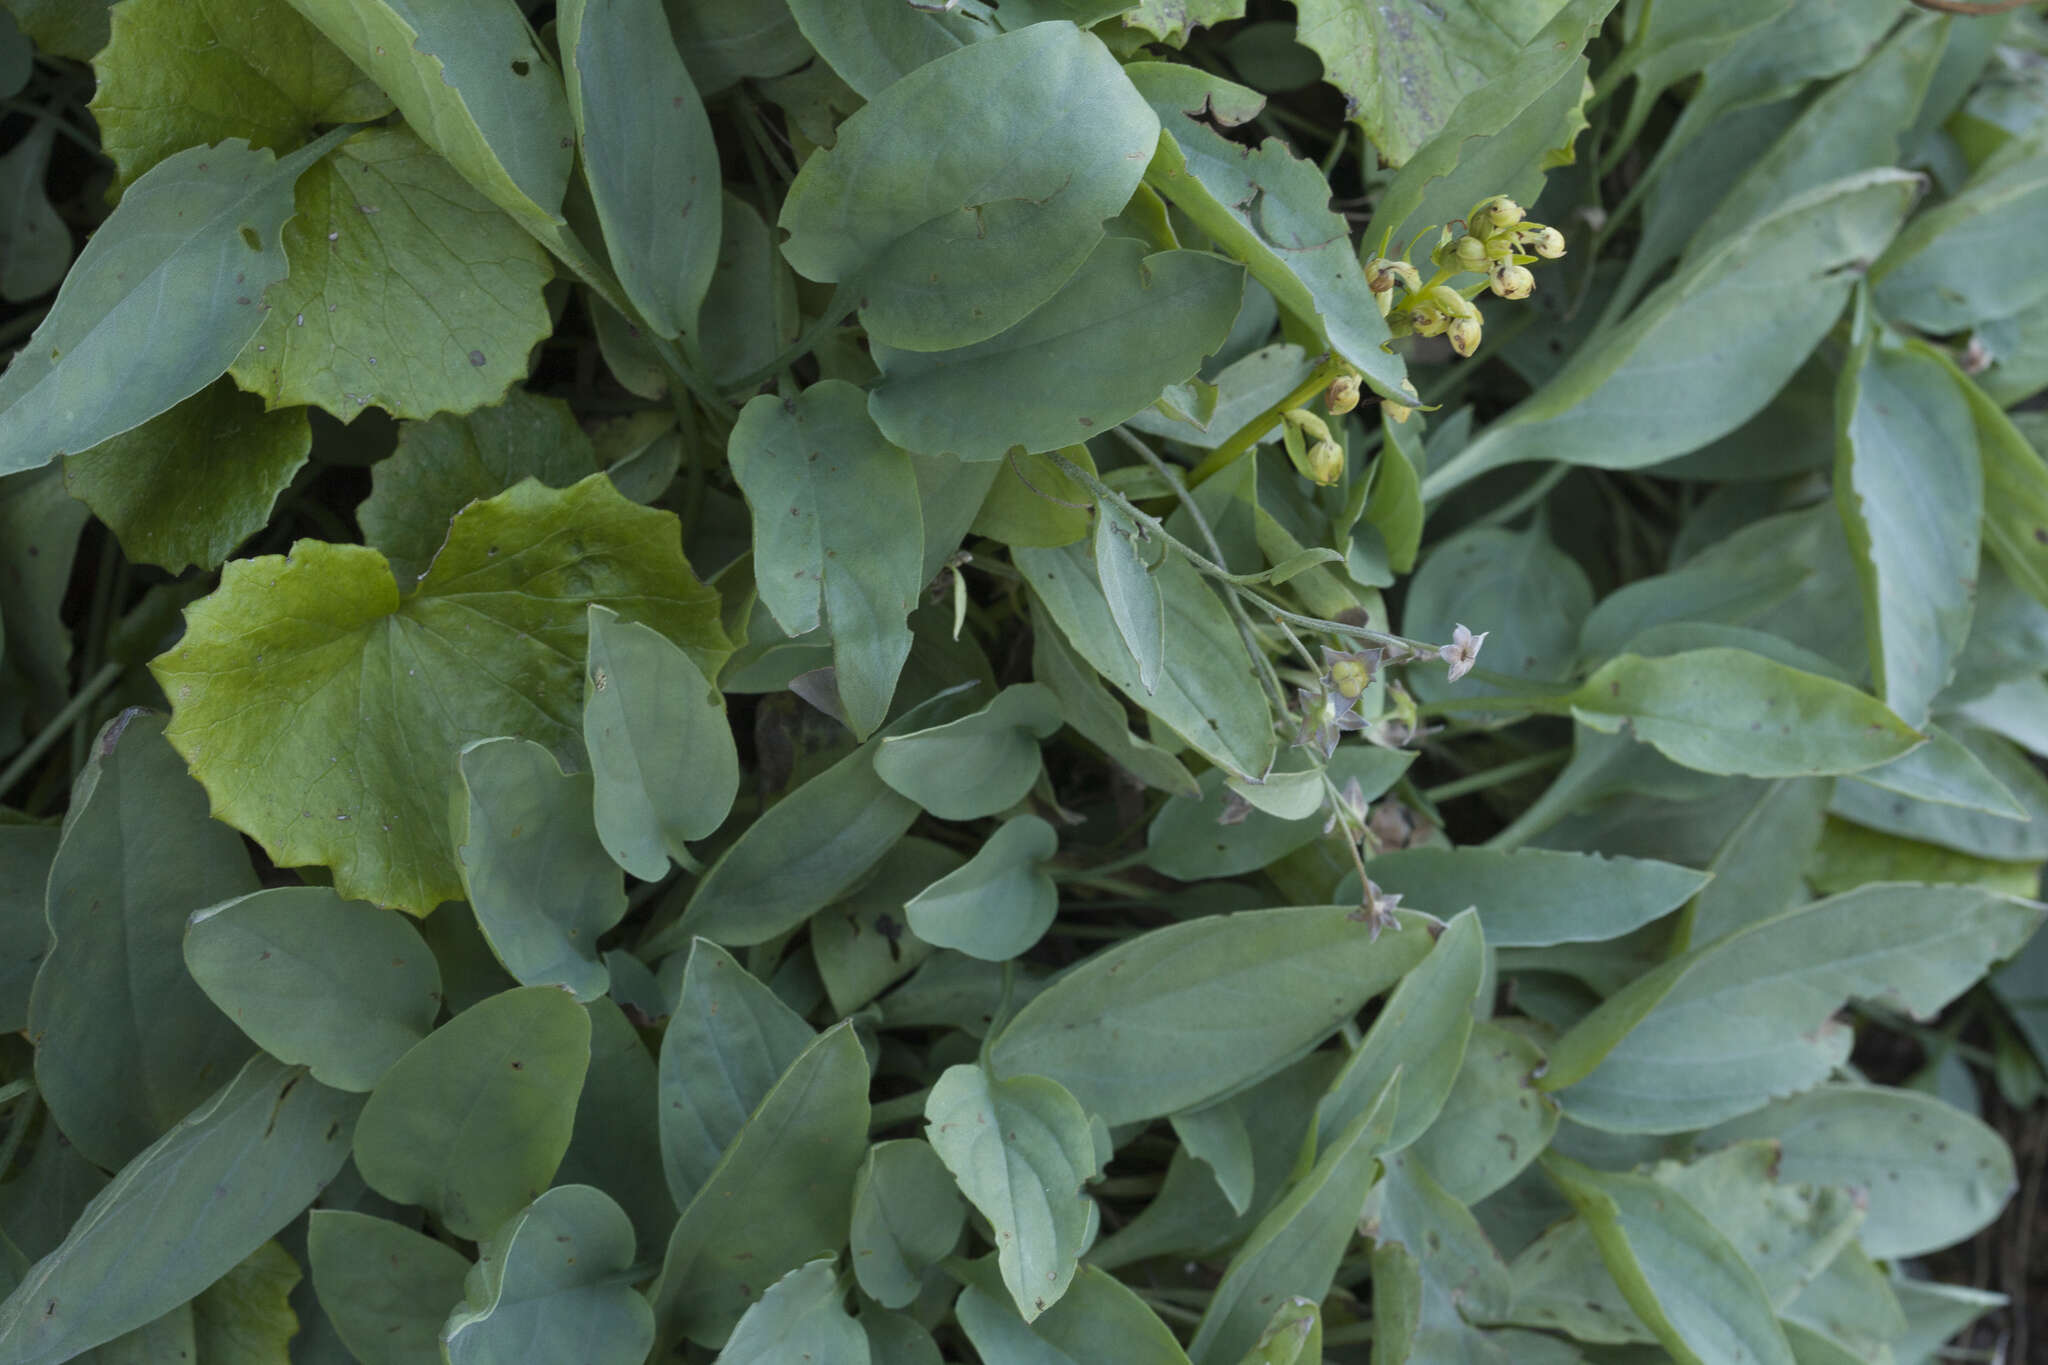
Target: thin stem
[
  {"x": 1529, "y": 497},
  {"x": 1248, "y": 436},
  {"x": 59, "y": 723},
  {"x": 1494, "y": 777},
  {"x": 824, "y": 325},
  {"x": 902, "y": 1109}
]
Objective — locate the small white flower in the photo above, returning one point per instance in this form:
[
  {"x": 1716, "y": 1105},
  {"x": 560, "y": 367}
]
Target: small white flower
[{"x": 1463, "y": 651}]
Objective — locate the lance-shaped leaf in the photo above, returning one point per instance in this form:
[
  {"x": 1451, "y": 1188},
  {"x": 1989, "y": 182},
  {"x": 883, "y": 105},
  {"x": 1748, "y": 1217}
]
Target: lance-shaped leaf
[
  {"x": 551, "y": 1285},
  {"x": 613, "y": 1146},
  {"x": 1296, "y": 1248},
  {"x": 1098, "y": 1318},
  {"x": 729, "y": 1040},
  {"x": 1530, "y": 898},
  {"x": 1147, "y": 1027},
  {"x": 1494, "y": 1122},
  {"x": 1778, "y": 285},
  {"x": 1020, "y": 1150},
  {"x": 323, "y": 712},
  {"x": 35, "y": 245},
  {"x": 1097, "y": 716},
  {"x": 801, "y": 1317},
  {"x": 861, "y": 945},
  {"x": 126, "y": 1041},
  {"x": 777, "y": 1198},
  {"x": 189, "y": 485},
  {"x": 1733, "y": 712},
  {"x": 471, "y": 80},
  {"x": 907, "y": 1216},
  {"x": 1117, "y": 334},
  {"x": 834, "y": 507},
  {"x": 647, "y": 154},
  {"x": 533, "y": 868},
  {"x": 1201, "y": 694},
  {"x": 344, "y": 988},
  {"x": 174, "y": 75},
  {"x": 386, "y": 1288},
  {"x": 474, "y": 1119},
  {"x": 953, "y": 218},
  {"x": 1966, "y": 828},
  {"x": 1452, "y": 1272},
  {"x": 1001, "y": 902},
  {"x": 661, "y": 750},
  {"x": 2015, "y": 493},
  {"x": 1267, "y": 208},
  {"x": 183, "y": 1213},
  {"x": 976, "y": 766},
  {"x": 1680, "y": 1274},
  {"x": 407, "y": 289},
  {"x": 1722, "y": 1030},
  {"x": 246, "y": 1315},
  {"x": 1928, "y": 1174},
  {"x": 1123, "y": 565},
  {"x": 198, "y": 240},
  {"x": 1758, "y": 868},
  {"x": 1942, "y": 274},
  {"x": 1910, "y": 487}
]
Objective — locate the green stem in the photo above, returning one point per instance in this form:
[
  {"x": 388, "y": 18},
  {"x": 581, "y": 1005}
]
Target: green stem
[
  {"x": 59, "y": 723},
  {"x": 902, "y": 1109},
  {"x": 14, "y": 1090},
  {"x": 1493, "y": 777},
  {"x": 824, "y": 325},
  {"x": 1249, "y": 435},
  {"x": 17, "y": 1129}
]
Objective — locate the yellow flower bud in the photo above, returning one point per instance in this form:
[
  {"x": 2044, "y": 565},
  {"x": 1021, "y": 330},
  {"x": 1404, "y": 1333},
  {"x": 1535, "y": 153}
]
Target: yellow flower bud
[
  {"x": 1493, "y": 214},
  {"x": 1512, "y": 281},
  {"x": 1342, "y": 395},
  {"x": 1382, "y": 274},
  {"x": 1464, "y": 334},
  {"x": 1450, "y": 302},
  {"x": 1471, "y": 253},
  {"x": 1546, "y": 242},
  {"x": 1326, "y": 462}
]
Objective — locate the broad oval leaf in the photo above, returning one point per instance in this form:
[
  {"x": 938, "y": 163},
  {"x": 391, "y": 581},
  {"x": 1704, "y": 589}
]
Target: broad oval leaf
[
  {"x": 474, "y": 1119},
  {"x": 197, "y": 239},
  {"x": 1734, "y": 712},
  {"x": 323, "y": 712},
  {"x": 907, "y": 1216},
  {"x": 1190, "y": 840},
  {"x": 340, "y": 987},
  {"x": 386, "y": 1288},
  {"x": 1001, "y": 902},
  {"x": 801, "y": 1317},
  {"x": 1156, "y": 1024},
  {"x": 1020, "y": 1150},
  {"x": 1099, "y": 1318},
  {"x": 1530, "y": 596},
  {"x": 1494, "y": 1122},
  {"x": 159, "y": 1233},
  {"x": 550, "y": 1284},
  {"x": 661, "y": 750},
  {"x": 872, "y": 44},
  {"x": 978, "y": 765},
  {"x": 1126, "y": 326},
  {"x": 953, "y": 218}
]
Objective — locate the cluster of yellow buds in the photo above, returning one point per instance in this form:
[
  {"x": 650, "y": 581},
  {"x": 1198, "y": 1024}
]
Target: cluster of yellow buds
[
  {"x": 1498, "y": 242},
  {"x": 1311, "y": 447}
]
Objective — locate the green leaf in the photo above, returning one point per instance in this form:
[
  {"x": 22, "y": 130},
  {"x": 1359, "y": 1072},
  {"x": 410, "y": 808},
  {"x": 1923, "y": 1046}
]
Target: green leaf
[
  {"x": 1779, "y": 284},
  {"x": 126, "y": 1042},
  {"x": 35, "y": 246},
  {"x": 1217, "y": 1136},
  {"x": 1421, "y": 1034},
  {"x": 444, "y": 464},
  {"x": 174, "y": 75},
  {"x": 801, "y": 1317},
  {"x": 1096, "y": 715},
  {"x": 1691, "y": 1287},
  {"x": 1394, "y": 506},
  {"x": 1928, "y": 1174},
  {"x": 1530, "y": 898},
  {"x": 1097, "y": 1319},
  {"x": 197, "y": 239},
  {"x": 1952, "y": 825},
  {"x": 1124, "y": 327},
  {"x": 907, "y": 1217},
  {"x": 407, "y": 289},
  {"x": 1733, "y": 712},
  {"x": 613, "y": 1146},
  {"x": 339, "y": 987},
  {"x": 1403, "y": 69},
  {"x": 472, "y": 81},
  {"x": 832, "y": 501},
  {"x": 1457, "y": 1273},
  {"x": 872, "y": 44},
  {"x": 1125, "y": 572},
  {"x": 753, "y": 293},
  {"x": 324, "y": 713},
  {"x": 729, "y": 1040},
  {"x": 1721, "y": 1030},
  {"x": 725, "y": 40},
  {"x": 550, "y": 1284},
  {"x": 190, "y": 484},
  {"x": 1494, "y": 1122},
  {"x": 1911, "y": 492},
  {"x": 1202, "y": 694},
  {"x": 39, "y": 529},
  {"x": 1020, "y": 1150},
  {"x": 26, "y": 852},
  {"x": 1297, "y": 1246},
  {"x": 386, "y": 1288},
  {"x": 1529, "y": 596},
  {"x": 533, "y": 867},
  {"x": 1757, "y": 869},
  {"x": 2015, "y": 494},
  {"x": 1001, "y": 902},
  {"x": 166, "y": 1338},
  {"x": 474, "y": 1119},
  {"x": 1945, "y": 771},
  {"x": 163, "y": 1230},
  {"x": 661, "y": 751},
  {"x": 635, "y": 108},
  {"x": 952, "y": 218},
  {"x": 1267, "y": 208},
  {"x": 1293, "y": 1336},
  {"x": 861, "y": 945},
  {"x": 1033, "y": 502},
  {"x": 979, "y": 765},
  {"x": 245, "y": 1317},
  {"x": 1941, "y": 274},
  {"x": 63, "y": 27},
  {"x": 777, "y": 1198},
  {"x": 1156, "y": 1024}
]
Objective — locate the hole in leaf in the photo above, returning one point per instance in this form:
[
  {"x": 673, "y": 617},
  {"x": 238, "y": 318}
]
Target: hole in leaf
[
  {"x": 251, "y": 240},
  {"x": 520, "y": 66}
]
